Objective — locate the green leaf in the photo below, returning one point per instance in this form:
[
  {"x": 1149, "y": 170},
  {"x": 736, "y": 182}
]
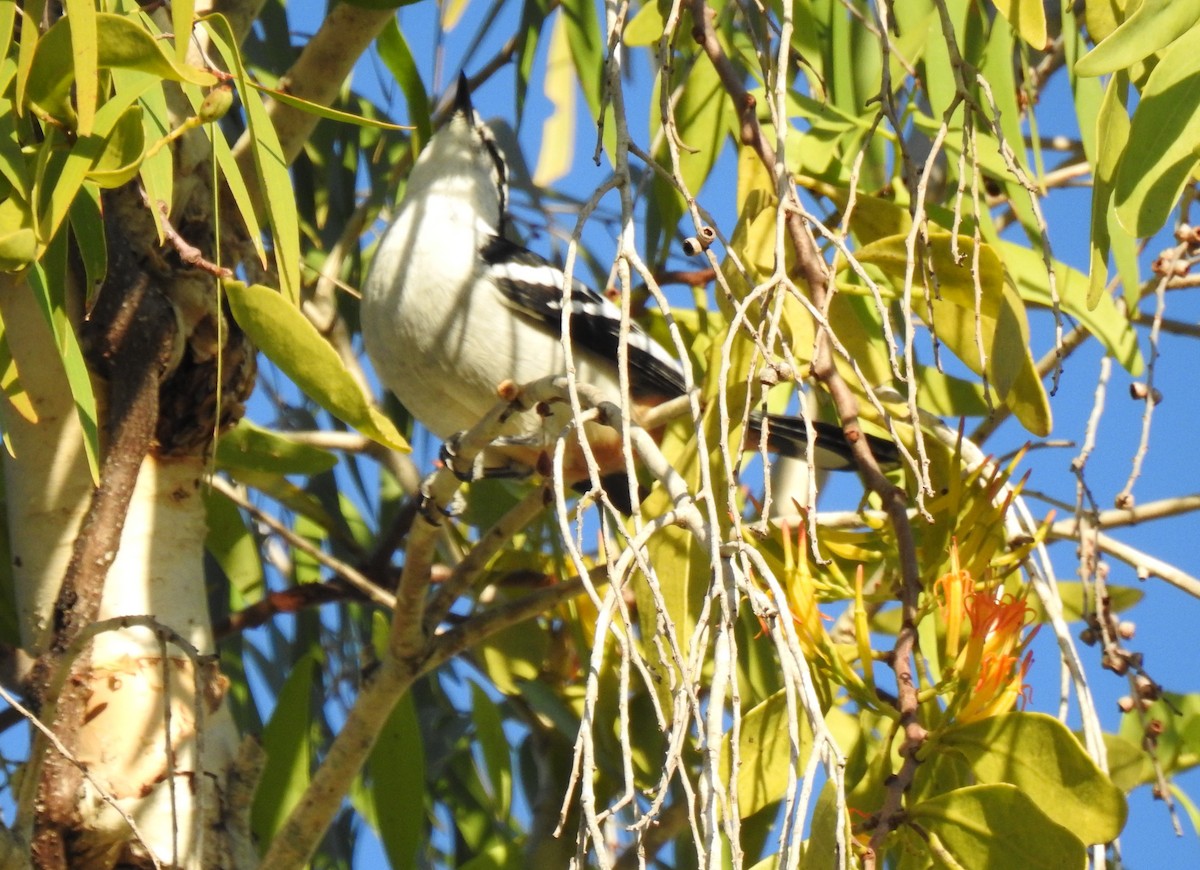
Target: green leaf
[
  {"x": 87, "y": 229},
  {"x": 123, "y": 146},
  {"x": 85, "y": 54},
  {"x": 183, "y": 17},
  {"x": 765, "y": 753},
  {"x": 10, "y": 385},
  {"x": 252, "y": 447},
  {"x": 278, "y": 198},
  {"x": 47, "y": 280},
  {"x": 323, "y": 111},
  {"x": 380, "y": 4},
  {"x": 1037, "y": 754},
  {"x": 1027, "y": 18},
  {"x": 1112, "y": 136},
  {"x": 285, "y": 335},
  {"x": 1178, "y": 745},
  {"x": 287, "y": 739},
  {"x": 121, "y": 42},
  {"x": 18, "y": 242},
  {"x": 1128, "y": 764},
  {"x": 558, "y": 130},
  {"x": 1000, "y": 324},
  {"x": 1163, "y": 137},
  {"x": 1153, "y": 26},
  {"x": 494, "y": 748},
  {"x": 397, "y": 57},
  {"x": 587, "y": 48},
  {"x": 646, "y": 26},
  {"x": 230, "y": 543},
  {"x": 997, "y": 827},
  {"x": 394, "y": 802},
  {"x": 1104, "y": 319}
]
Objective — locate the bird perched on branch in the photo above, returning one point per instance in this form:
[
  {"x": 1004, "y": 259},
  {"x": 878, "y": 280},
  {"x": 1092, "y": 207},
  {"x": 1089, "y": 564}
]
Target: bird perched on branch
[{"x": 452, "y": 307}]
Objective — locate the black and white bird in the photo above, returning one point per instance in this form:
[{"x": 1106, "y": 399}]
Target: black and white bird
[{"x": 452, "y": 308}]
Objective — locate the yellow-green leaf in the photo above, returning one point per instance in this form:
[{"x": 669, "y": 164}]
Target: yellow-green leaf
[
  {"x": 120, "y": 41},
  {"x": 1152, "y": 27},
  {"x": 1037, "y": 754},
  {"x": 646, "y": 27},
  {"x": 10, "y": 382},
  {"x": 85, "y": 53},
  {"x": 292, "y": 343},
  {"x": 997, "y": 827},
  {"x": 765, "y": 753},
  {"x": 122, "y": 154},
  {"x": 183, "y": 14},
  {"x": 1027, "y": 18},
  {"x": 253, "y": 447},
  {"x": 18, "y": 243},
  {"x": 1103, "y": 319},
  {"x": 1163, "y": 137},
  {"x": 276, "y": 181},
  {"x": 1000, "y": 325},
  {"x": 558, "y": 130}
]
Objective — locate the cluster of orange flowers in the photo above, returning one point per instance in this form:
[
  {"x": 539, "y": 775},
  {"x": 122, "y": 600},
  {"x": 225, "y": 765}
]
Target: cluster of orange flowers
[{"x": 990, "y": 653}]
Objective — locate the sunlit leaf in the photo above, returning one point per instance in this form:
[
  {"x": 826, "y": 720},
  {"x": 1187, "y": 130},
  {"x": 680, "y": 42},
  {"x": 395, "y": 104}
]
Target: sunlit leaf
[
  {"x": 1165, "y": 131},
  {"x": 121, "y": 42},
  {"x": 1153, "y": 26},
  {"x": 1037, "y": 754},
  {"x": 397, "y": 57},
  {"x": 1103, "y": 319},
  {"x": 558, "y": 130},
  {"x": 251, "y": 447},
  {"x": 85, "y": 56},
  {"x": 18, "y": 243},
  {"x": 765, "y": 753},
  {"x": 48, "y": 281},
  {"x": 290, "y": 341},
  {"x": 234, "y": 548},
  {"x": 275, "y": 181},
  {"x": 1027, "y": 18}
]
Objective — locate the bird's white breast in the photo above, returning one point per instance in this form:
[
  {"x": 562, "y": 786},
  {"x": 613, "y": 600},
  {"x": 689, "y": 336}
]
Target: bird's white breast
[{"x": 441, "y": 339}]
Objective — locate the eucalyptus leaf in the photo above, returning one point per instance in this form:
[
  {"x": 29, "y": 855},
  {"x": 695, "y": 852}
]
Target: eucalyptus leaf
[{"x": 290, "y": 341}]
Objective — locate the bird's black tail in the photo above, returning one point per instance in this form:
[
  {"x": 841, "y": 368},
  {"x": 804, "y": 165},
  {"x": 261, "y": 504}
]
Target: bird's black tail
[{"x": 787, "y": 436}]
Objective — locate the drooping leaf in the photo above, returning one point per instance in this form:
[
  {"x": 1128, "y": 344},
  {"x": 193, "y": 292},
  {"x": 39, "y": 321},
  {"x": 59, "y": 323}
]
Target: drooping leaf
[
  {"x": 252, "y": 447},
  {"x": 1037, "y": 754},
  {"x": 397, "y": 57},
  {"x": 48, "y": 280},
  {"x": 999, "y": 325},
  {"x": 494, "y": 749},
  {"x": 558, "y": 130},
  {"x": 394, "y": 801},
  {"x": 120, "y": 41},
  {"x": 287, "y": 739},
  {"x": 1163, "y": 137},
  {"x": 1153, "y": 26},
  {"x": 85, "y": 56},
  {"x": 230, "y": 543},
  {"x": 290, "y": 341},
  {"x": 1103, "y": 319},
  {"x": 275, "y": 181}
]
